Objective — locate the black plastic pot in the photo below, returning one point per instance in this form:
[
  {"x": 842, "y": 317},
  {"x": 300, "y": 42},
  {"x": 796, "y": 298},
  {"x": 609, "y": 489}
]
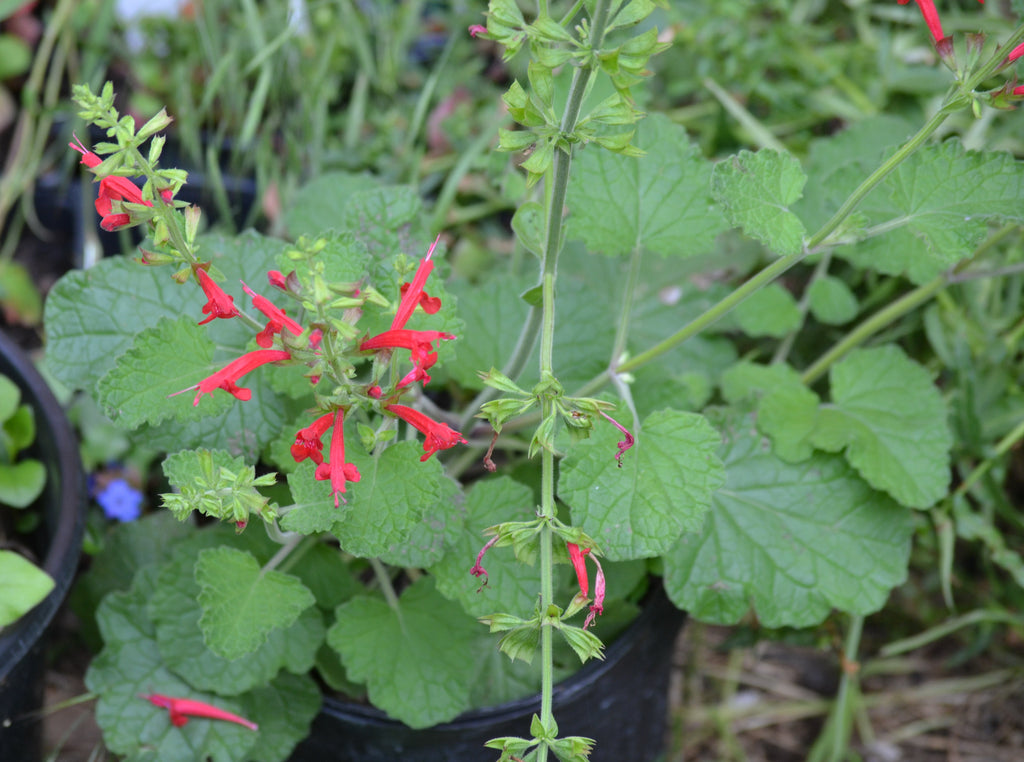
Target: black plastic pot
[
  {"x": 58, "y": 541},
  {"x": 620, "y": 702}
]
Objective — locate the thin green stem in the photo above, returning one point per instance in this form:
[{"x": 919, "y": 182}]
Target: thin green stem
[
  {"x": 782, "y": 351},
  {"x": 380, "y": 573},
  {"x": 907, "y": 303},
  {"x": 1002, "y": 447},
  {"x": 953, "y": 102},
  {"x": 556, "y": 184},
  {"x": 622, "y": 330}
]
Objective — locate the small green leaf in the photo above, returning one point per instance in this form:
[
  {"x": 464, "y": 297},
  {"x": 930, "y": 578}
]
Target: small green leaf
[
  {"x": 832, "y": 302},
  {"x": 772, "y": 311},
  {"x": 662, "y": 489},
  {"x": 411, "y": 657},
  {"x": 242, "y": 603},
  {"x": 891, "y": 422},
  {"x": 528, "y": 225},
  {"x": 756, "y": 190},
  {"x": 25, "y": 586},
  {"x": 794, "y": 541},
  {"x": 21, "y": 483},
  {"x": 10, "y": 398}
]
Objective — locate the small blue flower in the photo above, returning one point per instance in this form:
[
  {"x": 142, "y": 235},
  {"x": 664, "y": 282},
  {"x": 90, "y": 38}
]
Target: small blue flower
[{"x": 120, "y": 500}]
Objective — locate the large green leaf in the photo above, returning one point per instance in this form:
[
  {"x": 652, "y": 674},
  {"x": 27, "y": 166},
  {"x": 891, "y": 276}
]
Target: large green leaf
[
  {"x": 936, "y": 207},
  {"x": 401, "y": 510},
  {"x": 662, "y": 489},
  {"x": 659, "y": 202},
  {"x": 412, "y": 657},
  {"x": 891, "y": 422},
  {"x": 242, "y": 603},
  {"x": 130, "y": 664},
  {"x": 793, "y": 541}
]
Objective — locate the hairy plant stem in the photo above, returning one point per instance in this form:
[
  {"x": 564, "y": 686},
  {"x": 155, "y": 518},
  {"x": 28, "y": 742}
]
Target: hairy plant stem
[
  {"x": 835, "y": 737},
  {"x": 556, "y": 184}
]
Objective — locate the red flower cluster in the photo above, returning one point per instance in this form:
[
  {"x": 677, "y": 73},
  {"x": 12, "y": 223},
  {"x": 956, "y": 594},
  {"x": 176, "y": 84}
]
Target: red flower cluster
[
  {"x": 308, "y": 441},
  {"x": 419, "y": 343},
  {"x": 114, "y": 191}
]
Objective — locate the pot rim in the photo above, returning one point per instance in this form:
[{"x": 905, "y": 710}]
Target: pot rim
[{"x": 656, "y": 605}]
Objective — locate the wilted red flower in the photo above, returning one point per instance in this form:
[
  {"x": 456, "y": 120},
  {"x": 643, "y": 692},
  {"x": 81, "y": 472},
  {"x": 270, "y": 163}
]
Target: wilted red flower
[
  {"x": 180, "y": 709},
  {"x": 578, "y": 557},
  {"x": 437, "y": 435}
]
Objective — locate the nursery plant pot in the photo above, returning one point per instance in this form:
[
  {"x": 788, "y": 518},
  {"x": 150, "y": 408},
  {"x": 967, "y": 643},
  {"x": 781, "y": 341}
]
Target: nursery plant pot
[
  {"x": 620, "y": 702},
  {"x": 57, "y": 540}
]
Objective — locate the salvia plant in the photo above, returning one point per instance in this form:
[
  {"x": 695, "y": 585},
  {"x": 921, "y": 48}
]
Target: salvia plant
[{"x": 411, "y": 456}]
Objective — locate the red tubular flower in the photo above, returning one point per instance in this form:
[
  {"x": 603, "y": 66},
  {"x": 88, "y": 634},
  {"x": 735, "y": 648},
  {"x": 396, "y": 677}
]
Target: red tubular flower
[
  {"x": 419, "y": 344},
  {"x": 307, "y": 440},
  {"x": 277, "y": 279},
  {"x": 1016, "y": 53},
  {"x": 219, "y": 304},
  {"x": 413, "y": 294},
  {"x": 579, "y": 564},
  {"x": 578, "y": 557},
  {"x": 114, "y": 188},
  {"x": 226, "y": 377},
  {"x": 931, "y": 17},
  {"x": 276, "y": 318},
  {"x": 438, "y": 435},
  {"x": 338, "y": 471},
  {"x": 180, "y": 709}
]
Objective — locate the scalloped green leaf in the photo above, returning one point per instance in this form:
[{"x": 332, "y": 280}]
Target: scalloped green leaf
[
  {"x": 793, "y": 541},
  {"x": 162, "y": 360},
  {"x": 243, "y": 603},
  {"x": 401, "y": 510},
  {"x": 662, "y": 489},
  {"x": 659, "y": 202},
  {"x": 412, "y": 657},
  {"x": 891, "y": 423},
  {"x": 756, "y": 191},
  {"x": 174, "y": 610},
  {"x": 936, "y": 207}
]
